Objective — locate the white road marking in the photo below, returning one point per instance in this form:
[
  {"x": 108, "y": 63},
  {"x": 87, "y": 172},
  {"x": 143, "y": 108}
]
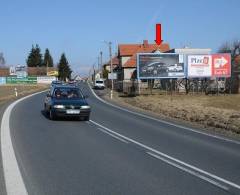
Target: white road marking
[
  {"x": 189, "y": 171},
  {"x": 114, "y": 136},
  {"x": 12, "y": 175},
  {"x": 165, "y": 122},
  {"x": 234, "y": 185}
]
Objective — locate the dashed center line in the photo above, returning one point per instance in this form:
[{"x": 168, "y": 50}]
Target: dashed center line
[
  {"x": 114, "y": 136},
  {"x": 200, "y": 173}
]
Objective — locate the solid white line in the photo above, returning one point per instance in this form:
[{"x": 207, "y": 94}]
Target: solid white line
[
  {"x": 165, "y": 122},
  {"x": 189, "y": 171},
  {"x": 169, "y": 157},
  {"x": 114, "y": 136},
  {"x": 12, "y": 175}
]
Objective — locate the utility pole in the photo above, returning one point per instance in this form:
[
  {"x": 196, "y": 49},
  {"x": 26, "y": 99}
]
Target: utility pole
[
  {"x": 94, "y": 74},
  {"x": 101, "y": 53},
  {"x": 47, "y": 68},
  {"x": 110, "y": 55},
  {"x": 98, "y": 64}
]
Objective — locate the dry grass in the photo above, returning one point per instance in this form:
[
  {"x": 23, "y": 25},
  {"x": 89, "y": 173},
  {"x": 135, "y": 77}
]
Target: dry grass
[
  {"x": 7, "y": 92},
  {"x": 221, "y": 111}
]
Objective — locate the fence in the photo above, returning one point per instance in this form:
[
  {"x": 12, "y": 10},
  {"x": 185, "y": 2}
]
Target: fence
[{"x": 171, "y": 86}]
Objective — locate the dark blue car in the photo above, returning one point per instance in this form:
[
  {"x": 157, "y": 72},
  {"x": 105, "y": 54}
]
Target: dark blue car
[{"x": 66, "y": 101}]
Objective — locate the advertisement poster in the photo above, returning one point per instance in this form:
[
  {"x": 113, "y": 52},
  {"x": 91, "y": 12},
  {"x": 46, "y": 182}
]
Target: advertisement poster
[
  {"x": 199, "y": 66},
  {"x": 160, "y": 65},
  {"x": 221, "y": 65}
]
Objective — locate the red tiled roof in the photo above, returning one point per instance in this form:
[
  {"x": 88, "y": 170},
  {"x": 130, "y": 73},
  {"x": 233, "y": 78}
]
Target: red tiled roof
[
  {"x": 4, "y": 71},
  {"x": 131, "y": 63},
  {"x": 115, "y": 60},
  {"x": 131, "y": 49}
]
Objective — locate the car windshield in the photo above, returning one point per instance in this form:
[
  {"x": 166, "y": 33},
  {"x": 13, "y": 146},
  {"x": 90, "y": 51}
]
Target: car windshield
[
  {"x": 67, "y": 93},
  {"x": 99, "y": 82}
]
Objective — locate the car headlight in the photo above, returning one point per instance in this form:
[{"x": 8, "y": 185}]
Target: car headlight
[
  {"x": 59, "y": 106},
  {"x": 85, "y": 107}
]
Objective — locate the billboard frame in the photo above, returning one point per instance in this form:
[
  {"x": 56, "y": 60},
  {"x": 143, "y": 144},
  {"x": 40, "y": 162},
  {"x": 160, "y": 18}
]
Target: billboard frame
[{"x": 172, "y": 77}]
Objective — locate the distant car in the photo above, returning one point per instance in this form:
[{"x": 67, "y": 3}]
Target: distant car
[
  {"x": 72, "y": 82},
  {"x": 174, "y": 68},
  {"x": 99, "y": 84},
  {"x": 66, "y": 101},
  {"x": 154, "y": 67},
  {"x": 56, "y": 83}
]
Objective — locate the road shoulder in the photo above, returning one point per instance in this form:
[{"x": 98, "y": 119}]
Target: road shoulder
[
  {"x": 190, "y": 125},
  {"x": 4, "y": 104}
]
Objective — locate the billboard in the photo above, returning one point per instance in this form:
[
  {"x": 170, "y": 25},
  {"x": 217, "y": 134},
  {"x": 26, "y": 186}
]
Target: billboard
[
  {"x": 199, "y": 66},
  {"x": 12, "y": 71},
  {"x": 52, "y": 73},
  {"x": 214, "y": 65},
  {"x": 221, "y": 65},
  {"x": 19, "y": 71},
  {"x": 2, "y": 80},
  {"x": 46, "y": 79},
  {"x": 23, "y": 80},
  {"x": 160, "y": 65},
  {"x": 112, "y": 76}
]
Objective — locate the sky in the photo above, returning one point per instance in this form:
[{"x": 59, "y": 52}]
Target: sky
[{"x": 79, "y": 28}]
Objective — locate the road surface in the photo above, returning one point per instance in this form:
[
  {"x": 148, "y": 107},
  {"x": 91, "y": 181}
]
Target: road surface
[{"x": 118, "y": 152}]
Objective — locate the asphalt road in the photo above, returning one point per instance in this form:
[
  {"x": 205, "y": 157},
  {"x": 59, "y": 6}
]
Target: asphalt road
[{"x": 118, "y": 152}]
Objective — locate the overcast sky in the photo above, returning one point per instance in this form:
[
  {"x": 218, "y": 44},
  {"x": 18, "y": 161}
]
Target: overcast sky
[{"x": 79, "y": 27}]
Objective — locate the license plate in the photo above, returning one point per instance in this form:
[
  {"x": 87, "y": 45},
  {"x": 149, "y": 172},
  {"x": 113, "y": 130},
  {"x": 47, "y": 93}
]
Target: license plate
[{"x": 72, "y": 111}]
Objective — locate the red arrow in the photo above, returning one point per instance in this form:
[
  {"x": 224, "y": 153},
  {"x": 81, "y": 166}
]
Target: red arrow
[{"x": 158, "y": 34}]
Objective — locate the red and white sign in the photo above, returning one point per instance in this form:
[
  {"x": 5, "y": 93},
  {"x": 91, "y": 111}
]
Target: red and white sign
[
  {"x": 215, "y": 65},
  {"x": 221, "y": 65},
  {"x": 199, "y": 66}
]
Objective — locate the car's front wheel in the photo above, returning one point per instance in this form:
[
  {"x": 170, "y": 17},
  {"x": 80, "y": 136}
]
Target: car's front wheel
[
  {"x": 45, "y": 109},
  {"x": 86, "y": 118},
  {"x": 52, "y": 115}
]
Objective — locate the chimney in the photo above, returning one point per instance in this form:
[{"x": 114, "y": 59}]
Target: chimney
[{"x": 145, "y": 43}]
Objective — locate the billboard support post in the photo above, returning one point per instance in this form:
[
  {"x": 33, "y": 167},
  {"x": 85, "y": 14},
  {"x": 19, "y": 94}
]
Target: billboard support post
[
  {"x": 139, "y": 87},
  {"x": 110, "y": 55}
]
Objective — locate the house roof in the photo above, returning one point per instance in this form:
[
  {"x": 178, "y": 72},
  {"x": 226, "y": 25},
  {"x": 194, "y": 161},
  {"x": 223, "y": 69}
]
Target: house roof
[
  {"x": 131, "y": 63},
  {"x": 115, "y": 60},
  {"x": 131, "y": 49}
]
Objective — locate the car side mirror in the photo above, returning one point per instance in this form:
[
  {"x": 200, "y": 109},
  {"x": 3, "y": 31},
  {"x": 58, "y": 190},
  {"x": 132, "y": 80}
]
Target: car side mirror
[{"x": 48, "y": 94}]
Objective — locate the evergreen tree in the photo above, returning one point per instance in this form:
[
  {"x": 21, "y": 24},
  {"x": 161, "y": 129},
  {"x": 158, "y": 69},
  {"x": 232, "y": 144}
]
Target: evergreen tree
[
  {"x": 30, "y": 59},
  {"x": 38, "y": 56},
  {"x": 64, "y": 70},
  {"x": 48, "y": 60},
  {"x": 34, "y": 57}
]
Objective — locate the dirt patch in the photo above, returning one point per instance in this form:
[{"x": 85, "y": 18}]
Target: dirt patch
[
  {"x": 7, "y": 92},
  {"x": 220, "y": 113}
]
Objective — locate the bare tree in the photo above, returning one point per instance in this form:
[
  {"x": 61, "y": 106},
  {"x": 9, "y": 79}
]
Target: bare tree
[
  {"x": 2, "y": 60},
  {"x": 232, "y": 83}
]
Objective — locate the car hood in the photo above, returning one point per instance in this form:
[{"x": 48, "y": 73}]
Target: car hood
[{"x": 79, "y": 102}]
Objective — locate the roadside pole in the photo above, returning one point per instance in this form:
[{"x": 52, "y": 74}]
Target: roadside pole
[
  {"x": 101, "y": 54},
  {"x": 139, "y": 87},
  {"x": 110, "y": 55},
  {"x": 47, "y": 69}
]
